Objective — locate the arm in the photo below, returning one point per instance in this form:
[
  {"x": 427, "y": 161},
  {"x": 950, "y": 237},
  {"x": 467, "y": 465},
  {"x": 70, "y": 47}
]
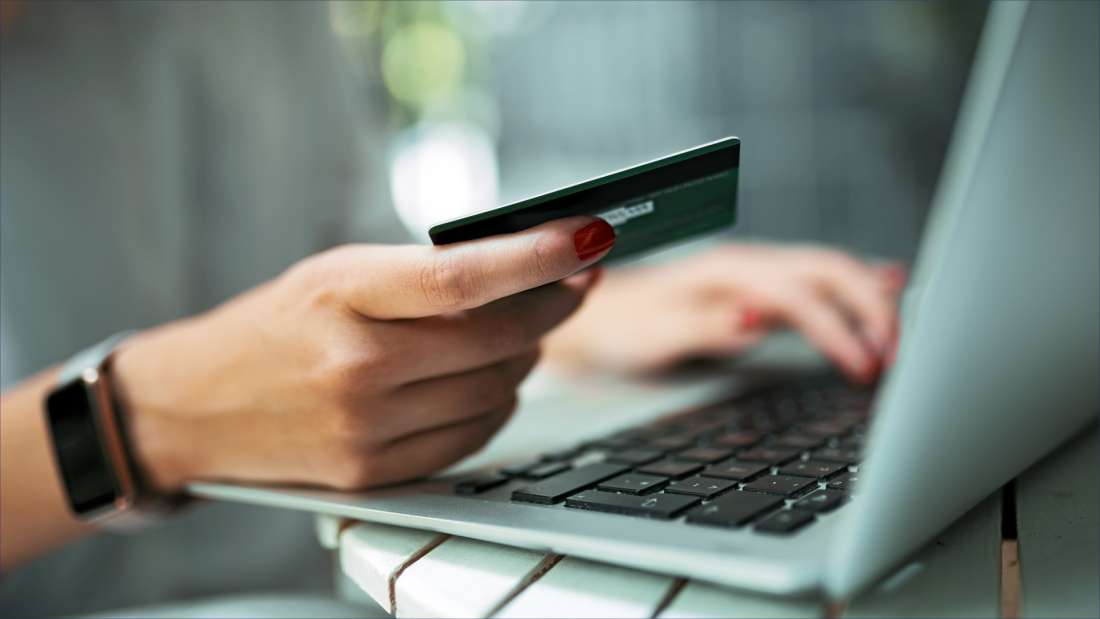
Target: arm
[{"x": 34, "y": 516}]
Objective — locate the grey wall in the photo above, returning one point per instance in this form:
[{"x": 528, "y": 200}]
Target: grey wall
[{"x": 845, "y": 109}]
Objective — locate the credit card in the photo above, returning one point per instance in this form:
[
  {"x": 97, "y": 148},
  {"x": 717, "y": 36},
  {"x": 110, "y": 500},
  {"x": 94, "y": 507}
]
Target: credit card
[{"x": 650, "y": 205}]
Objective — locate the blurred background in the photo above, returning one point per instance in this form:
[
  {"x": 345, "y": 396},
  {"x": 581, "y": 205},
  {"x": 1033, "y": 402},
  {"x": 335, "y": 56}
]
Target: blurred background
[{"x": 844, "y": 109}]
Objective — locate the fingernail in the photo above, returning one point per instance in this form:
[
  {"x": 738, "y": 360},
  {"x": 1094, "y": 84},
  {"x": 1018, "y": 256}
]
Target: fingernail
[
  {"x": 880, "y": 343},
  {"x": 593, "y": 239},
  {"x": 859, "y": 370},
  {"x": 895, "y": 275},
  {"x": 871, "y": 369},
  {"x": 751, "y": 318}
]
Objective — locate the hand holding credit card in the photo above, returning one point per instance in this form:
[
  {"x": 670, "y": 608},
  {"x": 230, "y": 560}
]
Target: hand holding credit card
[{"x": 650, "y": 205}]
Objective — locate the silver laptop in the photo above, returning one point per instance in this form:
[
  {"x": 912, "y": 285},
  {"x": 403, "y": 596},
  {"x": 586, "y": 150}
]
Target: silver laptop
[{"x": 810, "y": 485}]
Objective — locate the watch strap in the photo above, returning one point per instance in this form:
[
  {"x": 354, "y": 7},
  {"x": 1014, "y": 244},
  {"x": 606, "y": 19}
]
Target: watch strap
[{"x": 147, "y": 509}]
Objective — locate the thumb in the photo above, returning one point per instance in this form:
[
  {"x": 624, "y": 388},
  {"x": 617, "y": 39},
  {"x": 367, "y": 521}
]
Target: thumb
[{"x": 414, "y": 281}]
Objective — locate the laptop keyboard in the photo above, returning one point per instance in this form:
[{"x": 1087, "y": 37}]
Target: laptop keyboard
[{"x": 773, "y": 459}]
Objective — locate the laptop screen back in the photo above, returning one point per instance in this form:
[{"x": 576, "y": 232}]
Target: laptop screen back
[{"x": 999, "y": 356}]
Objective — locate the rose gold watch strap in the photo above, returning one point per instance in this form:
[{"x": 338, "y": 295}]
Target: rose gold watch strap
[{"x": 135, "y": 506}]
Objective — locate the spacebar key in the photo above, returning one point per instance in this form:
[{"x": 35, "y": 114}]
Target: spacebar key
[{"x": 558, "y": 487}]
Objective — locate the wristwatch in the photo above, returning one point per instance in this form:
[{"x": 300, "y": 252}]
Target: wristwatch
[{"x": 90, "y": 446}]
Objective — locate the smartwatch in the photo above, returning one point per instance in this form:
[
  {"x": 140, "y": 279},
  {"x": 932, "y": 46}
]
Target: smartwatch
[{"x": 90, "y": 446}]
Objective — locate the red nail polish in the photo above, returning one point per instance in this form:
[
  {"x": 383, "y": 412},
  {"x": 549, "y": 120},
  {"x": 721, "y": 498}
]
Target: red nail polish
[
  {"x": 896, "y": 275},
  {"x": 751, "y": 318},
  {"x": 593, "y": 239}
]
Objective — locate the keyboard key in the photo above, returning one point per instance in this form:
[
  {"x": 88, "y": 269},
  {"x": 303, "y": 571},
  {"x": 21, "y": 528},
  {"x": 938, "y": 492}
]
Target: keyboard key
[
  {"x": 852, "y": 442},
  {"x": 742, "y": 438},
  {"x": 854, "y": 419},
  {"x": 671, "y": 443},
  {"x": 708, "y": 427},
  {"x": 479, "y": 484},
  {"x": 785, "y": 521},
  {"x": 735, "y": 469},
  {"x": 812, "y": 468},
  {"x": 633, "y": 483},
  {"x": 554, "y": 489},
  {"x": 547, "y": 469},
  {"x": 662, "y": 506},
  {"x": 705, "y": 487},
  {"x": 671, "y": 468},
  {"x": 635, "y": 456},
  {"x": 518, "y": 469},
  {"x": 733, "y": 509},
  {"x": 780, "y": 484},
  {"x": 768, "y": 454},
  {"x": 827, "y": 428},
  {"x": 766, "y": 422},
  {"x": 561, "y": 454},
  {"x": 836, "y": 454},
  {"x": 612, "y": 442},
  {"x": 709, "y": 455},
  {"x": 786, "y": 408},
  {"x": 640, "y": 434},
  {"x": 736, "y": 418},
  {"x": 845, "y": 482},
  {"x": 821, "y": 501},
  {"x": 798, "y": 440}
]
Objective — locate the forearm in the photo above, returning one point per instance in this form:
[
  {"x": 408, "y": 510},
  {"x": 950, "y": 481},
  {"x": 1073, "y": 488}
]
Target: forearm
[{"x": 34, "y": 516}]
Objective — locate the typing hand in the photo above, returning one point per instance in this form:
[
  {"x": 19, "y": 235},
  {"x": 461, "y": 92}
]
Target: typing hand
[
  {"x": 725, "y": 300},
  {"x": 360, "y": 366}
]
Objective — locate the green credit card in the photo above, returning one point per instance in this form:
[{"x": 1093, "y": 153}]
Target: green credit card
[{"x": 650, "y": 205}]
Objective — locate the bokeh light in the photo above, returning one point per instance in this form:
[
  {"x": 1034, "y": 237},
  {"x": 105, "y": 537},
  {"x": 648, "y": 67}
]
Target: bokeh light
[
  {"x": 423, "y": 62},
  {"x": 442, "y": 171}
]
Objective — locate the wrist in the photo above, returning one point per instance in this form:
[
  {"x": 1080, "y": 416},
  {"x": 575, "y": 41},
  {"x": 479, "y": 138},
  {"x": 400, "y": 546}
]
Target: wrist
[{"x": 157, "y": 436}]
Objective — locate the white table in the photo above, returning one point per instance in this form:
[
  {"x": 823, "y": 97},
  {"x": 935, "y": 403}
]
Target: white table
[{"x": 970, "y": 570}]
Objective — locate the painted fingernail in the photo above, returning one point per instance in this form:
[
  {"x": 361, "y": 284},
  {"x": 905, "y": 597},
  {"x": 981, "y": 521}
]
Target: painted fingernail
[
  {"x": 751, "y": 318},
  {"x": 593, "y": 239},
  {"x": 881, "y": 344},
  {"x": 860, "y": 370},
  {"x": 895, "y": 275}
]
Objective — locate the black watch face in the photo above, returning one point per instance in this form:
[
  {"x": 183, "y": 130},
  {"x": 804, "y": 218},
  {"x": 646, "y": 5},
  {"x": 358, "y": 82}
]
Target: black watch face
[{"x": 89, "y": 480}]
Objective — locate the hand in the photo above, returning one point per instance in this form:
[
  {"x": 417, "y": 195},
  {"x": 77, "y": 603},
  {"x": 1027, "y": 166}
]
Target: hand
[
  {"x": 360, "y": 366},
  {"x": 725, "y": 300}
]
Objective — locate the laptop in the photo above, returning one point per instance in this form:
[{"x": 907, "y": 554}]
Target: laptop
[{"x": 809, "y": 485}]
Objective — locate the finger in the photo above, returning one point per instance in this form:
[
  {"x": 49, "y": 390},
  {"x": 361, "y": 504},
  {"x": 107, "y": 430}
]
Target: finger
[
  {"x": 894, "y": 275},
  {"x": 430, "y": 451},
  {"x": 825, "y": 327},
  {"x": 857, "y": 289},
  {"x": 752, "y": 325},
  {"x": 585, "y": 280},
  {"x": 447, "y": 400},
  {"x": 414, "y": 281},
  {"x": 697, "y": 328},
  {"x": 752, "y": 319},
  {"x": 459, "y": 341}
]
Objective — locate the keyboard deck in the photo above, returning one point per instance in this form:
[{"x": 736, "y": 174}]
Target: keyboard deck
[{"x": 773, "y": 459}]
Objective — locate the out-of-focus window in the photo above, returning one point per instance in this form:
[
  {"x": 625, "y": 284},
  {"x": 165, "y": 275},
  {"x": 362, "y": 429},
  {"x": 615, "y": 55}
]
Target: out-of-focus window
[{"x": 845, "y": 109}]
